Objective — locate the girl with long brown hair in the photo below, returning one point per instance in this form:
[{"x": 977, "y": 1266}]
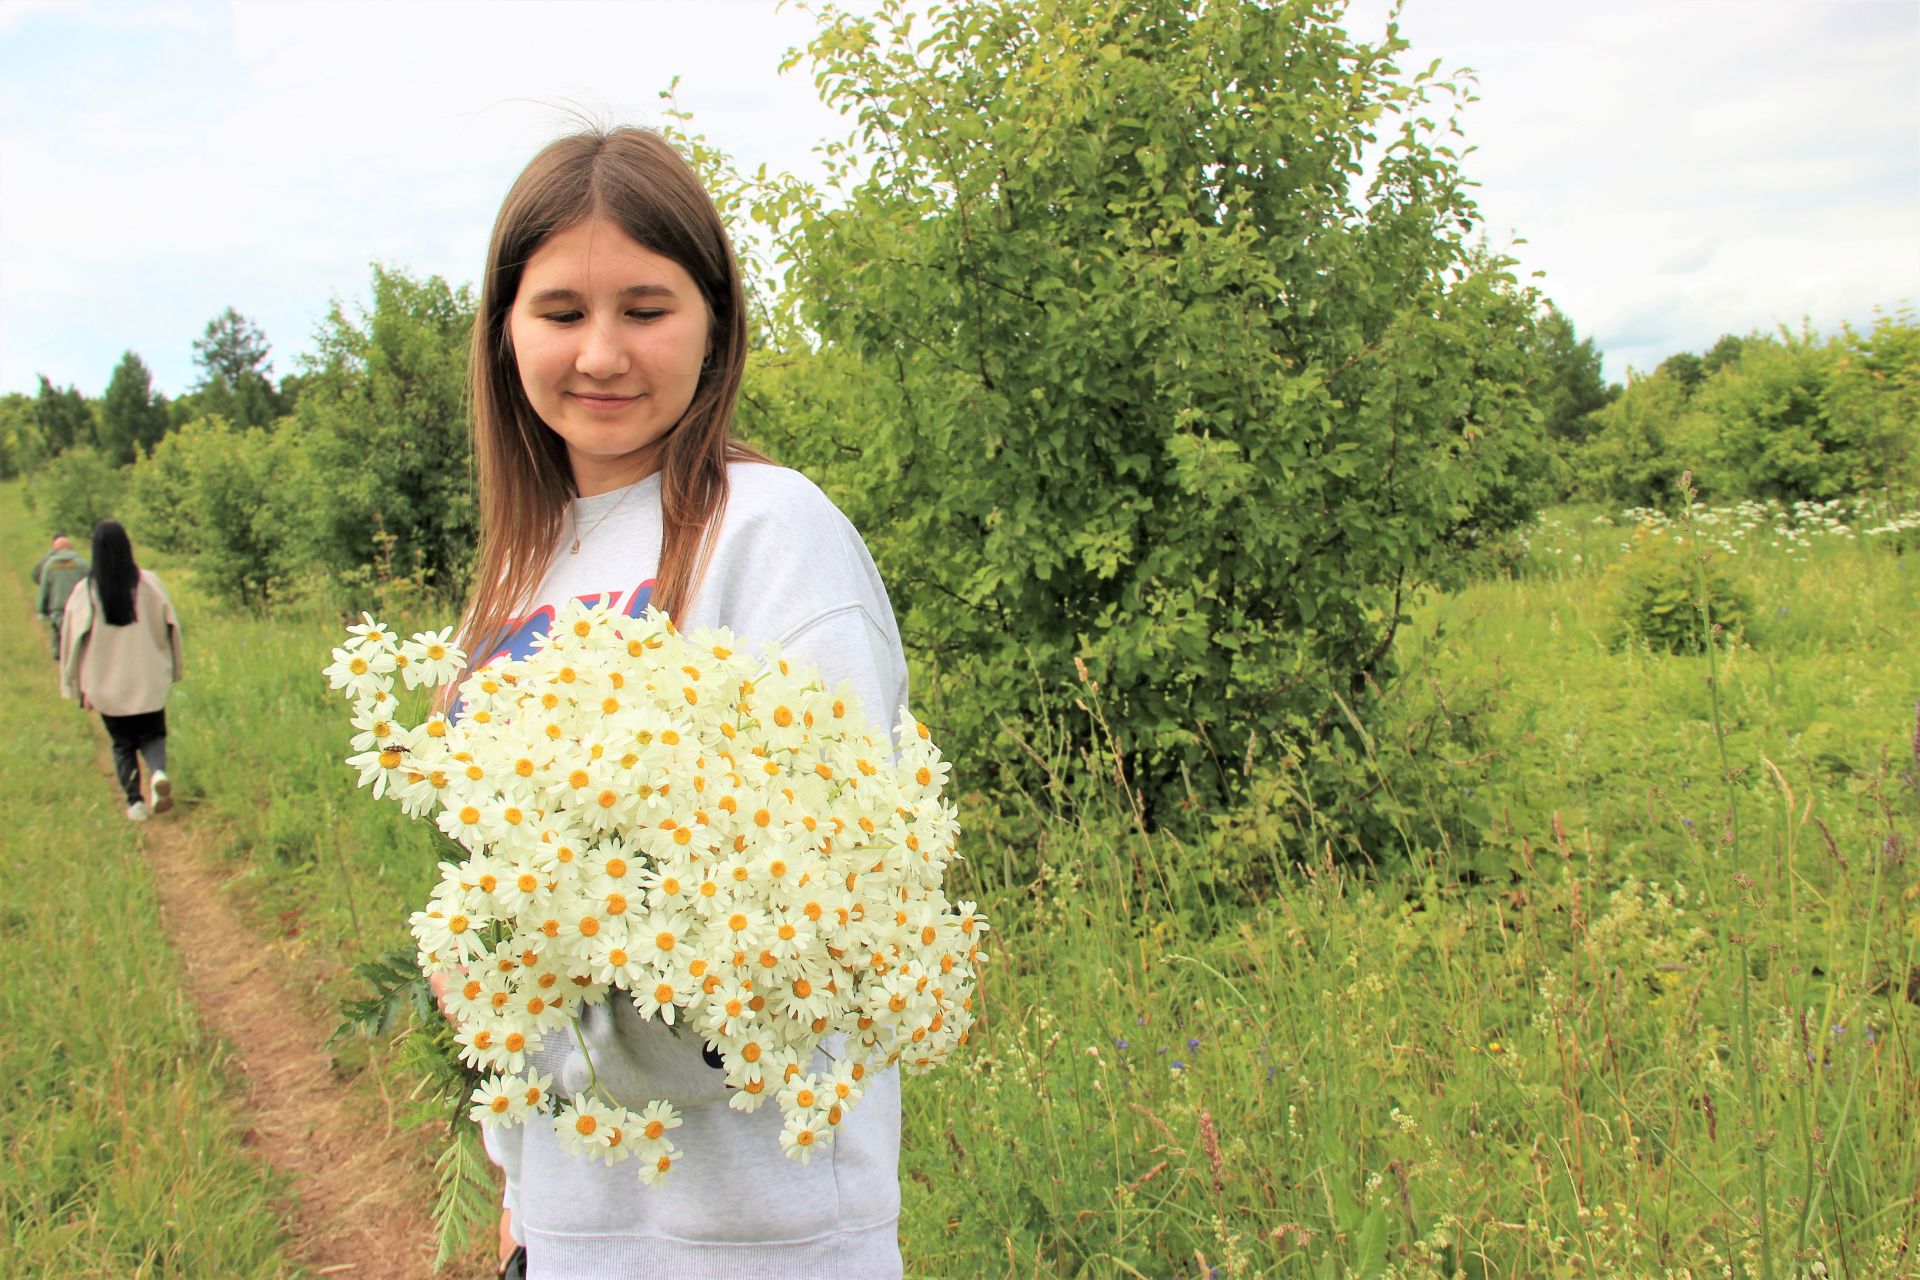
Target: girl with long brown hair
[{"x": 608, "y": 351}]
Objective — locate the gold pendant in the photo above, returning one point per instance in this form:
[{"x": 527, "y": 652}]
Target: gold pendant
[{"x": 576, "y": 547}]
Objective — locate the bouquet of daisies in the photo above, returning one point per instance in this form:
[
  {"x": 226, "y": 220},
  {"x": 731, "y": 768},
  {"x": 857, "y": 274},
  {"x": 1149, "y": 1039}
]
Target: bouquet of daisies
[{"x": 662, "y": 818}]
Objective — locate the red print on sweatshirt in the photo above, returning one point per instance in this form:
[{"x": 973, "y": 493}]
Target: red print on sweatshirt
[{"x": 519, "y": 641}]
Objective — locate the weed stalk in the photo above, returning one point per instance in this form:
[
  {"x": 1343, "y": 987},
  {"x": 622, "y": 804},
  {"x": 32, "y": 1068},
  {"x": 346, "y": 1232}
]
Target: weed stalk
[{"x": 1757, "y": 1138}]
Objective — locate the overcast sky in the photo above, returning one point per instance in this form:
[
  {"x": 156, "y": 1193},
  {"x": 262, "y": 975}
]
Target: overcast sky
[{"x": 1678, "y": 168}]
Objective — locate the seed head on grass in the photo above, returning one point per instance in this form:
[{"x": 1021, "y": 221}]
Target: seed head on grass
[{"x": 1210, "y": 1139}]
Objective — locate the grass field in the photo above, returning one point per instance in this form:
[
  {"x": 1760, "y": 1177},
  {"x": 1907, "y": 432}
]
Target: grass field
[
  {"x": 1605, "y": 1036},
  {"x": 121, "y": 1144}
]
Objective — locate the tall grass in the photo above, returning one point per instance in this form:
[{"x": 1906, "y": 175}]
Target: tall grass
[{"x": 1518, "y": 1054}]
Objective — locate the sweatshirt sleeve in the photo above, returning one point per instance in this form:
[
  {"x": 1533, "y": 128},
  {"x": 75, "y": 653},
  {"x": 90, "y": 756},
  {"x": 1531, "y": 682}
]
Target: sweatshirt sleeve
[
  {"x": 173, "y": 636},
  {"x": 848, "y": 643},
  {"x": 796, "y": 574},
  {"x": 76, "y": 623}
]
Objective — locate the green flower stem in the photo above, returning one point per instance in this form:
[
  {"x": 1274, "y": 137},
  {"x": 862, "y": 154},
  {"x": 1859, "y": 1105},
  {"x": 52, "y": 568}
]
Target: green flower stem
[
  {"x": 1744, "y": 1030},
  {"x": 593, "y": 1076}
]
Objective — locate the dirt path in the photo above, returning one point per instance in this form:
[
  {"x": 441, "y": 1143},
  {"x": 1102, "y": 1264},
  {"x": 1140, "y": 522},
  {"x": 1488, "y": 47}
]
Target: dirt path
[{"x": 362, "y": 1189}]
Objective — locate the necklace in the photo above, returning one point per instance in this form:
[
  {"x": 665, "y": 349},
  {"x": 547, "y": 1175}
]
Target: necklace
[{"x": 578, "y": 536}]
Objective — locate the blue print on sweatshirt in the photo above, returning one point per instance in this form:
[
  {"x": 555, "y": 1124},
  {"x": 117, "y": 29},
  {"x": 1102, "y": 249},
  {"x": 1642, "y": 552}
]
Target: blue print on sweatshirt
[{"x": 519, "y": 641}]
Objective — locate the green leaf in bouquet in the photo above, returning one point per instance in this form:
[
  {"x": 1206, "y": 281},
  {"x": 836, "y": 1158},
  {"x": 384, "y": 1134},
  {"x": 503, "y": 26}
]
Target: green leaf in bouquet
[{"x": 397, "y": 992}]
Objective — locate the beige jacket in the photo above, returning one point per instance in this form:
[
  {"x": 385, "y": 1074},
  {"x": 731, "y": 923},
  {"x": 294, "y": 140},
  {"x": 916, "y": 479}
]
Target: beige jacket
[{"x": 121, "y": 671}]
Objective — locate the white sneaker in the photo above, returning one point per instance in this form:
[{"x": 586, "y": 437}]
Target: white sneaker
[
  {"x": 162, "y": 791},
  {"x": 137, "y": 811}
]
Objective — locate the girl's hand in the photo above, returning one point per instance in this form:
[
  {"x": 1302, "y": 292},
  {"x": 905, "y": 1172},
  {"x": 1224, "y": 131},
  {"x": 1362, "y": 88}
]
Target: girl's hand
[{"x": 438, "y": 983}]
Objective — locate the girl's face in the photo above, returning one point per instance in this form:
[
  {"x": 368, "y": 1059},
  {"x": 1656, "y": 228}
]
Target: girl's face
[{"x": 609, "y": 337}]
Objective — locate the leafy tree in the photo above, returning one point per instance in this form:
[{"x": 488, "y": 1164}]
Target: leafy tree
[
  {"x": 1773, "y": 432},
  {"x": 132, "y": 417},
  {"x": 1642, "y": 442},
  {"x": 233, "y": 498},
  {"x": 1875, "y": 391},
  {"x": 231, "y": 348},
  {"x": 1724, "y": 351},
  {"x": 1789, "y": 417},
  {"x": 21, "y": 448},
  {"x": 235, "y": 373},
  {"x": 1684, "y": 368},
  {"x": 1571, "y": 386},
  {"x": 75, "y": 490},
  {"x": 1155, "y": 378},
  {"x": 382, "y": 413},
  {"x": 62, "y": 417}
]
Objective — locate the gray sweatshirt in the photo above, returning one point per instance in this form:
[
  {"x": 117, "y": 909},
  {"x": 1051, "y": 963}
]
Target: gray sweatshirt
[{"x": 788, "y": 569}]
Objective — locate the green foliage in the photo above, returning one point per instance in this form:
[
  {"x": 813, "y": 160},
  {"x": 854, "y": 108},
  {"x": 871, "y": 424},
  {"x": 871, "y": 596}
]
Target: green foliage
[
  {"x": 1724, "y": 351},
  {"x": 21, "y": 448},
  {"x": 1655, "y": 598},
  {"x": 397, "y": 998},
  {"x": 1156, "y": 383},
  {"x": 1683, "y": 367},
  {"x": 132, "y": 417},
  {"x": 234, "y": 499},
  {"x": 1642, "y": 442},
  {"x": 382, "y": 417},
  {"x": 1875, "y": 388},
  {"x": 396, "y": 993},
  {"x": 235, "y": 374},
  {"x": 1570, "y": 386},
  {"x": 75, "y": 491},
  {"x": 62, "y": 418},
  {"x": 466, "y": 1202},
  {"x": 1773, "y": 432},
  {"x": 1792, "y": 417},
  {"x": 1344, "y": 1033},
  {"x": 126, "y": 1152}
]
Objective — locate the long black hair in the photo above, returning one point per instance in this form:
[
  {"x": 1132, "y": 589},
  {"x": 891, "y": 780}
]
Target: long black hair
[{"x": 114, "y": 575}]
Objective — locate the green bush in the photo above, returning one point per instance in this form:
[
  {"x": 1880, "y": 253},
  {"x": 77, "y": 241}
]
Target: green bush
[
  {"x": 1653, "y": 593},
  {"x": 1105, "y": 375},
  {"x": 237, "y": 501},
  {"x": 1791, "y": 417},
  {"x": 383, "y": 422},
  {"x": 75, "y": 491},
  {"x": 1641, "y": 444},
  {"x": 1774, "y": 432}
]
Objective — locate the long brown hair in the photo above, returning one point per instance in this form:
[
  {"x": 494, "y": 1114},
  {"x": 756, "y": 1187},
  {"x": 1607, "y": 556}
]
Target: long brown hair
[{"x": 637, "y": 179}]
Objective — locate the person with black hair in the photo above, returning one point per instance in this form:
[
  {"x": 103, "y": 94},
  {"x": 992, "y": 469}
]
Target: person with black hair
[{"x": 120, "y": 653}]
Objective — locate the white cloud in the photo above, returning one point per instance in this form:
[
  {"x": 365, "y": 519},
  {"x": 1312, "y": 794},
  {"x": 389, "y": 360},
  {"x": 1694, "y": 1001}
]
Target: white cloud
[
  {"x": 1684, "y": 170},
  {"x": 1677, "y": 170},
  {"x": 262, "y": 155}
]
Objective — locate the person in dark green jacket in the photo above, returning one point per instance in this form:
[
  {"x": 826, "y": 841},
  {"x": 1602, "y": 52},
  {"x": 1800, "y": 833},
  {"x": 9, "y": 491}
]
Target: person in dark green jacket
[{"x": 57, "y": 573}]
